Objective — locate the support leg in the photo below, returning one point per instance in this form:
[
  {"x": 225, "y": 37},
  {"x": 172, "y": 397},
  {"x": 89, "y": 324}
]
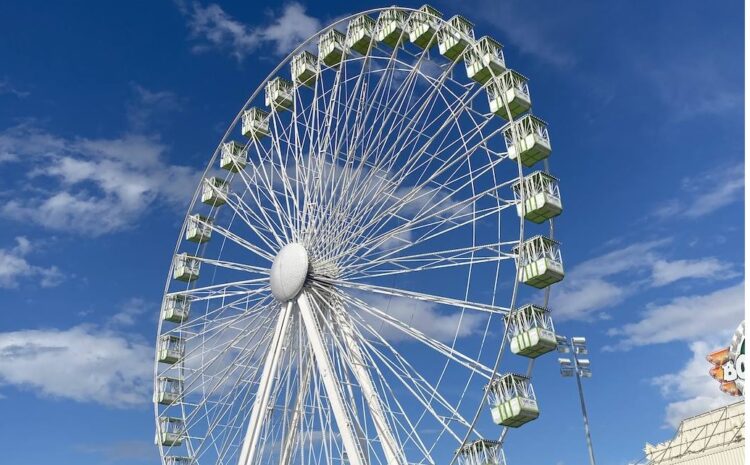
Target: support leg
[
  {"x": 387, "y": 441},
  {"x": 325, "y": 367},
  {"x": 265, "y": 387}
]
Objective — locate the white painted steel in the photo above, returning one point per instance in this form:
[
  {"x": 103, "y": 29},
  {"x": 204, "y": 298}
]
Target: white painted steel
[
  {"x": 356, "y": 455},
  {"x": 291, "y": 437},
  {"x": 388, "y": 442},
  {"x": 270, "y": 367},
  {"x": 378, "y": 197},
  {"x": 289, "y": 272}
]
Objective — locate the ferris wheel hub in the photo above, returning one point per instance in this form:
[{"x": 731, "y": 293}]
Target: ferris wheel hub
[{"x": 289, "y": 272}]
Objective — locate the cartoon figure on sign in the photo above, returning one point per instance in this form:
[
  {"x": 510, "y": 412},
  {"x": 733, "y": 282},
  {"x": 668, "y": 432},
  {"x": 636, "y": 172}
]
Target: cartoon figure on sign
[{"x": 729, "y": 364}]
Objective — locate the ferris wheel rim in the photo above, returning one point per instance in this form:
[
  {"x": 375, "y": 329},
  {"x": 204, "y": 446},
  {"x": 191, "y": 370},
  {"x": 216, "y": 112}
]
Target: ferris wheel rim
[{"x": 235, "y": 122}]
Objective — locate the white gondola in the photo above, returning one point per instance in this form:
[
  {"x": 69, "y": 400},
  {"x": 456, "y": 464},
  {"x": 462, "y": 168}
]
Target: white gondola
[
  {"x": 233, "y": 157},
  {"x": 171, "y": 348},
  {"x": 527, "y": 138},
  {"x": 531, "y": 331},
  {"x": 198, "y": 228},
  {"x": 541, "y": 194},
  {"x": 360, "y": 33},
  {"x": 422, "y": 25},
  {"x": 331, "y": 47},
  {"x": 485, "y": 60},
  {"x": 168, "y": 390},
  {"x": 176, "y": 308},
  {"x": 540, "y": 262},
  {"x": 305, "y": 69},
  {"x": 255, "y": 123},
  {"x": 512, "y": 88},
  {"x": 215, "y": 191},
  {"x": 171, "y": 431},
  {"x": 279, "y": 94},
  {"x": 454, "y": 37},
  {"x": 175, "y": 460},
  {"x": 481, "y": 452},
  {"x": 186, "y": 267},
  {"x": 391, "y": 26},
  {"x": 512, "y": 400}
]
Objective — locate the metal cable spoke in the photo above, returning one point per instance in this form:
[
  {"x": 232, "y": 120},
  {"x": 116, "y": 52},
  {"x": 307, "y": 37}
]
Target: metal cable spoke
[
  {"x": 393, "y": 292},
  {"x": 433, "y": 344}
]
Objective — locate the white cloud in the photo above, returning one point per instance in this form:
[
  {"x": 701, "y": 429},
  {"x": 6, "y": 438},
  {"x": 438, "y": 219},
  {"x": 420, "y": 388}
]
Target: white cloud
[
  {"x": 587, "y": 289},
  {"x": 90, "y": 186},
  {"x": 691, "y": 389},
  {"x": 706, "y": 193},
  {"x": 609, "y": 279},
  {"x": 7, "y": 88},
  {"x": 578, "y": 301},
  {"x": 214, "y": 28},
  {"x": 530, "y": 32},
  {"x": 690, "y": 92},
  {"x": 715, "y": 189},
  {"x": 14, "y": 267},
  {"x": 666, "y": 272},
  {"x": 129, "y": 312},
  {"x": 83, "y": 363},
  {"x": 94, "y": 186},
  {"x": 685, "y": 318},
  {"x": 290, "y": 29},
  {"x": 122, "y": 451},
  {"x": 148, "y": 105}
]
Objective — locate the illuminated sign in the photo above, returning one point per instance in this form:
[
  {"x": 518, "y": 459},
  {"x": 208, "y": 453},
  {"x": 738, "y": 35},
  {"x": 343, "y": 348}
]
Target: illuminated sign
[{"x": 729, "y": 364}]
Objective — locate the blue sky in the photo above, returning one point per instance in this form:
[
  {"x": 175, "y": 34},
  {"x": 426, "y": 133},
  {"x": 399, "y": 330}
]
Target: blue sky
[{"x": 108, "y": 114}]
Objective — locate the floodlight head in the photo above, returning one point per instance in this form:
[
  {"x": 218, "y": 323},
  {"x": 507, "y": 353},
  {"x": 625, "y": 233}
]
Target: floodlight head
[
  {"x": 566, "y": 367},
  {"x": 561, "y": 339},
  {"x": 585, "y": 373},
  {"x": 584, "y": 363},
  {"x": 579, "y": 345}
]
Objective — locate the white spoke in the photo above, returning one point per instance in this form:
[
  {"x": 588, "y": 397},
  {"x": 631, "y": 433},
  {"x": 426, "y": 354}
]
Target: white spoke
[
  {"x": 323, "y": 362},
  {"x": 438, "y": 346},
  {"x": 356, "y": 360},
  {"x": 432, "y": 260},
  {"x": 235, "y": 266},
  {"x": 414, "y": 295},
  {"x": 260, "y": 408}
]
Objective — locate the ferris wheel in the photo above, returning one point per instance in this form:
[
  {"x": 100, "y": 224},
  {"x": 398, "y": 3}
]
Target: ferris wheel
[{"x": 349, "y": 273}]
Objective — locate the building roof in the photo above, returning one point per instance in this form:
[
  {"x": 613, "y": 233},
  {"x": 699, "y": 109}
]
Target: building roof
[{"x": 713, "y": 437}]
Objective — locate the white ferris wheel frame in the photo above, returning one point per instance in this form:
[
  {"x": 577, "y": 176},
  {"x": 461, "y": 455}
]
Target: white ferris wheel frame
[{"x": 305, "y": 305}]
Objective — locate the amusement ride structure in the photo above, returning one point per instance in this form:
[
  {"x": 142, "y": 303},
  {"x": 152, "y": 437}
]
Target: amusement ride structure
[{"x": 371, "y": 236}]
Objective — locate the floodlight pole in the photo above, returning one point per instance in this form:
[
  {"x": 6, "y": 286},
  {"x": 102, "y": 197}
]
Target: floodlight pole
[
  {"x": 567, "y": 344},
  {"x": 583, "y": 410}
]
